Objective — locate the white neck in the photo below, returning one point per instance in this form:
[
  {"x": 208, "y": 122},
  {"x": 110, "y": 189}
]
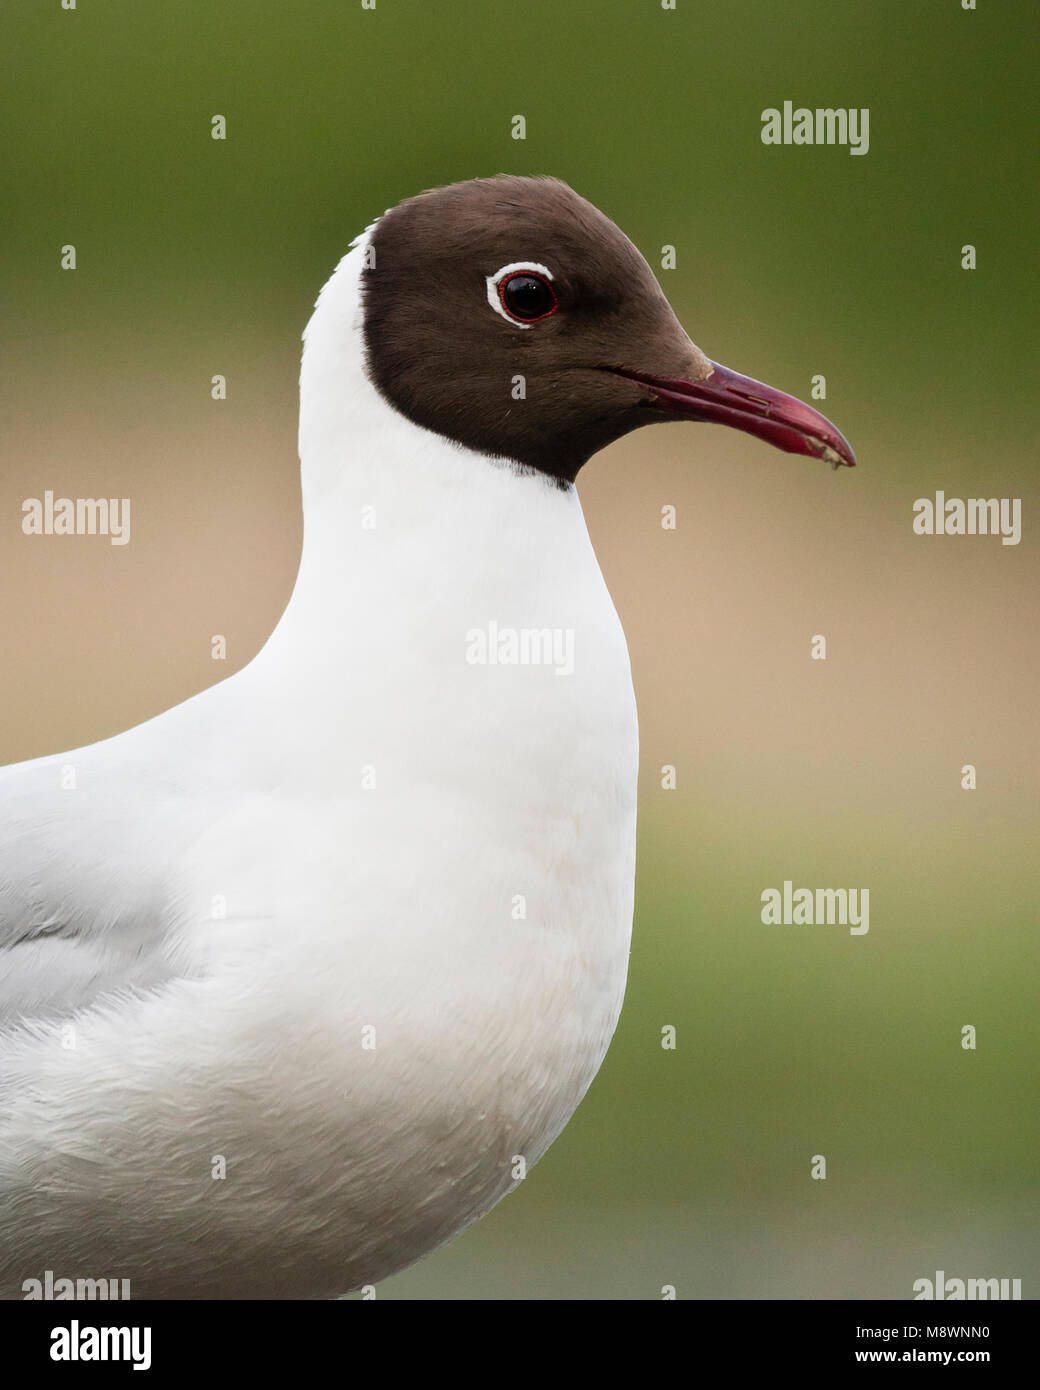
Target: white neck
[
  {"x": 387, "y": 502},
  {"x": 410, "y": 543}
]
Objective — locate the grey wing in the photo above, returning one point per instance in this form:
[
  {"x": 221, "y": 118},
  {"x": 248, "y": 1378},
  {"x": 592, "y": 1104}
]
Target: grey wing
[{"x": 81, "y": 884}]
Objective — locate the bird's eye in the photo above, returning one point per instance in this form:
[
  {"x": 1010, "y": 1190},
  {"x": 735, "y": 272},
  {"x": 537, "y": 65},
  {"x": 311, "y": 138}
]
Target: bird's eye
[
  {"x": 527, "y": 297},
  {"x": 522, "y": 293}
]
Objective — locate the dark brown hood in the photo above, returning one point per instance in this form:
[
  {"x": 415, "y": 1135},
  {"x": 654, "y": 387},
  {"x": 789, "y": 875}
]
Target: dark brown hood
[{"x": 549, "y": 394}]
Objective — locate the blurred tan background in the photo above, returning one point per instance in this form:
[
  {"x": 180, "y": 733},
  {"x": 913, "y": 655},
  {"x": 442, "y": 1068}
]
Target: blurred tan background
[{"x": 198, "y": 257}]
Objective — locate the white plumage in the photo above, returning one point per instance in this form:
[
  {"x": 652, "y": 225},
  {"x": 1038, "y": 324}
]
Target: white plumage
[{"x": 194, "y": 939}]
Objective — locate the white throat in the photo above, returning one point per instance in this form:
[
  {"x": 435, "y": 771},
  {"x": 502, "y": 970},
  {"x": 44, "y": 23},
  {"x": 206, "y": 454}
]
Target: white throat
[{"x": 403, "y": 839}]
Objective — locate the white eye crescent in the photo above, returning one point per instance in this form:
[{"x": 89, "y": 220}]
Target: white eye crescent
[{"x": 522, "y": 293}]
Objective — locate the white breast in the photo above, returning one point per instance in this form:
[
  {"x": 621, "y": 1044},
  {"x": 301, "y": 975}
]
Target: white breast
[{"x": 392, "y": 892}]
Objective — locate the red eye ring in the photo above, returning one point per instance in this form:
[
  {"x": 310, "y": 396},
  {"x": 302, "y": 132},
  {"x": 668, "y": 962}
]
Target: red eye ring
[{"x": 548, "y": 299}]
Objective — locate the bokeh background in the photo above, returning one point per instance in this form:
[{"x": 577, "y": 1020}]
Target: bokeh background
[{"x": 197, "y": 257}]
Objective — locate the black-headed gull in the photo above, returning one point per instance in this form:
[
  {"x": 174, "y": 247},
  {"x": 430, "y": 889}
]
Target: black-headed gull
[{"x": 297, "y": 977}]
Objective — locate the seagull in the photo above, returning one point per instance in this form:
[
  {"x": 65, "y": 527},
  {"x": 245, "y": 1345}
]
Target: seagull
[{"x": 299, "y": 978}]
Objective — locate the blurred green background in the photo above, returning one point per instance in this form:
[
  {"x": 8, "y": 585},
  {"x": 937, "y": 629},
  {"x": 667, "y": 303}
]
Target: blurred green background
[{"x": 195, "y": 257}]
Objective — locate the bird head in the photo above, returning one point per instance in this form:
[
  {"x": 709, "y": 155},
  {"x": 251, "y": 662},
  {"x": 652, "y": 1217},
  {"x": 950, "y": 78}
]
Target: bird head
[{"x": 510, "y": 315}]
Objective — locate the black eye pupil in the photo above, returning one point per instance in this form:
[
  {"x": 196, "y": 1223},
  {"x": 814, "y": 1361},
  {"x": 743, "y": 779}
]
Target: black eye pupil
[{"x": 527, "y": 297}]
